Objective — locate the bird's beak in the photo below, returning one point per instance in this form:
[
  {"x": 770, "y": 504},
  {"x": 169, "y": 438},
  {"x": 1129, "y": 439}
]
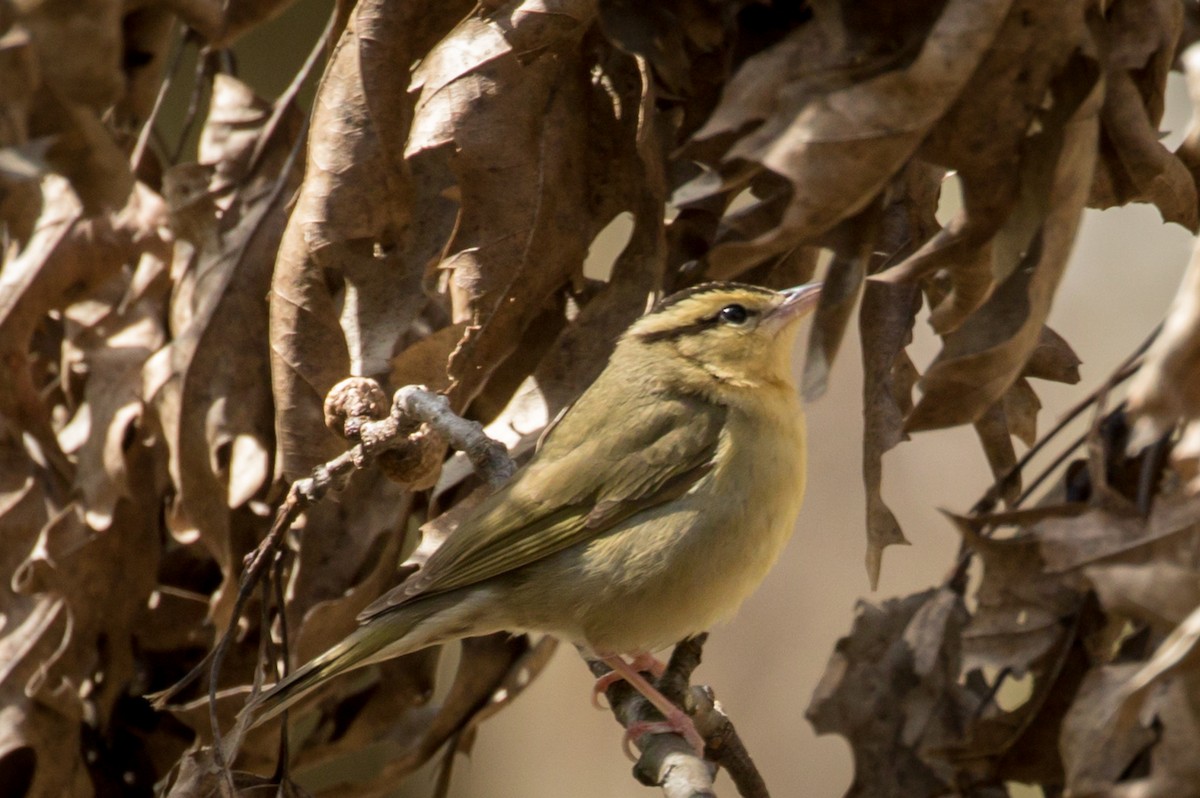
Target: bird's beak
[{"x": 799, "y": 302}]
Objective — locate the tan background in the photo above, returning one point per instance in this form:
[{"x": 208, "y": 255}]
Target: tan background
[{"x": 766, "y": 662}]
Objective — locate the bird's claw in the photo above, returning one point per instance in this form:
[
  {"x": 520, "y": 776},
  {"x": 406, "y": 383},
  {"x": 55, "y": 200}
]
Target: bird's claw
[
  {"x": 643, "y": 663},
  {"x": 676, "y": 722}
]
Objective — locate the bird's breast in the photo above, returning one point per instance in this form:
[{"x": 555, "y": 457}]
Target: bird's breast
[{"x": 676, "y": 569}]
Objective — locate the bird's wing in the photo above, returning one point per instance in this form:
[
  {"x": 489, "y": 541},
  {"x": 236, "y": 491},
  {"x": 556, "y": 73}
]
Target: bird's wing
[{"x": 581, "y": 483}]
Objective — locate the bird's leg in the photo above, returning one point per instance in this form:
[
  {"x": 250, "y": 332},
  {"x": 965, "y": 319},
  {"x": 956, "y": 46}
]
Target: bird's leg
[
  {"x": 642, "y": 663},
  {"x": 674, "y": 718}
]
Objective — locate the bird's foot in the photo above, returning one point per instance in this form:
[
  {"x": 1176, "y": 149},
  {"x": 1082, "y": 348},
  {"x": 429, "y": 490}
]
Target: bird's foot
[
  {"x": 642, "y": 663},
  {"x": 677, "y": 722}
]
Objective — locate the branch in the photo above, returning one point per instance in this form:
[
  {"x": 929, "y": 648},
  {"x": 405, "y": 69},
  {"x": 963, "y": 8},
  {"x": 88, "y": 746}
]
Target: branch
[
  {"x": 489, "y": 457},
  {"x": 667, "y": 760}
]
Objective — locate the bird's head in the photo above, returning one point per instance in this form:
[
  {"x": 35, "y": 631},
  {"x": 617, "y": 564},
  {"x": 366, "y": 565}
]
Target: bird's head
[{"x": 724, "y": 335}]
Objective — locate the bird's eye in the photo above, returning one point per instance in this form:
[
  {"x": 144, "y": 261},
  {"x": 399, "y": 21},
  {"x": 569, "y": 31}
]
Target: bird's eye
[{"x": 733, "y": 314}]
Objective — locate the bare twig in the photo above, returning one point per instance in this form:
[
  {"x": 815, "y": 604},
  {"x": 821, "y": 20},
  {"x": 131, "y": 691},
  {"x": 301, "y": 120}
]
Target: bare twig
[
  {"x": 724, "y": 745},
  {"x": 1126, "y": 369},
  {"x": 666, "y": 759},
  {"x": 139, "y": 148},
  {"x": 489, "y": 457}
]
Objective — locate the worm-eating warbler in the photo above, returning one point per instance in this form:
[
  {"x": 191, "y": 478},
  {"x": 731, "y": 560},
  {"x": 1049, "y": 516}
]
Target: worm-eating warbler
[{"x": 653, "y": 507}]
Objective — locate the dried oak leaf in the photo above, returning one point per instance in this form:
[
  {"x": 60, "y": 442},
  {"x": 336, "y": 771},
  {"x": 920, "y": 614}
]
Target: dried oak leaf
[
  {"x": 502, "y": 104},
  {"x": 992, "y": 428},
  {"x": 1101, "y": 536},
  {"x": 350, "y": 241},
  {"x": 108, "y": 421},
  {"x": 689, "y": 49},
  {"x": 1159, "y": 592},
  {"x": 1095, "y": 751},
  {"x": 981, "y": 360},
  {"x": 891, "y": 689},
  {"x": 983, "y": 136},
  {"x": 1166, "y": 389},
  {"x": 1023, "y": 608},
  {"x": 633, "y": 140},
  {"x": 71, "y": 657},
  {"x": 1166, "y": 689},
  {"x": 1053, "y": 359},
  {"x": 487, "y": 664},
  {"x": 79, "y": 63},
  {"x": 839, "y": 294},
  {"x": 214, "y": 404},
  {"x": 885, "y": 320},
  {"x": 836, "y": 117},
  {"x": 1134, "y": 166},
  {"x": 65, "y": 260}
]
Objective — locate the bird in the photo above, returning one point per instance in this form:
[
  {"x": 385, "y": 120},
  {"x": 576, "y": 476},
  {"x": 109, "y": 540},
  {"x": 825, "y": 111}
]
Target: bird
[{"x": 653, "y": 506}]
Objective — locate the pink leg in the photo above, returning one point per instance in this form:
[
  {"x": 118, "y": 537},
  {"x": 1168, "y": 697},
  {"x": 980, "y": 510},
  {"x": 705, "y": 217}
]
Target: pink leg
[
  {"x": 643, "y": 663},
  {"x": 676, "y": 720}
]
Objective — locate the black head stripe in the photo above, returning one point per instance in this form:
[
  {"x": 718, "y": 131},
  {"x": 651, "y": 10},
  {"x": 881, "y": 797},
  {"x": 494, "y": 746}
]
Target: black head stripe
[
  {"x": 677, "y": 332},
  {"x": 705, "y": 288},
  {"x": 699, "y": 325}
]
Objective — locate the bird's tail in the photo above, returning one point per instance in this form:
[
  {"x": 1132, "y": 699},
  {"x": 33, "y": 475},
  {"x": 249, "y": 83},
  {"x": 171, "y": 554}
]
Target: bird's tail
[{"x": 388, "y": 635}]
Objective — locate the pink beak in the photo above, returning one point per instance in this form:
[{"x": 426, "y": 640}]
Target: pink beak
[{"x": 800, "y": 301}]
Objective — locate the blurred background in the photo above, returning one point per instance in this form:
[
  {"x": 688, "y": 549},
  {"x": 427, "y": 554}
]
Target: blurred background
[{"x": 765, "y": 663}]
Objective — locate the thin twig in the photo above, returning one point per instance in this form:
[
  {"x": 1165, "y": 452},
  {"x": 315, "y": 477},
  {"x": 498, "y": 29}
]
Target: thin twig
[
  {"x": 667, "y": 760},
  {"x": 282, "y": 766},
  {"x": 288, "y": 97},
  {"x": 139, "y": 148},
  {"x": 201, "y": 78},
  {"x": 489, "y": 457},
  {"x": 1126, "y": 369},
  {"x": 723, "y": 744}
]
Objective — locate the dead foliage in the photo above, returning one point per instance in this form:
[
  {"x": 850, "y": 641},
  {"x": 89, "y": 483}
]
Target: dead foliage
[{"x": 170, "y": 326}]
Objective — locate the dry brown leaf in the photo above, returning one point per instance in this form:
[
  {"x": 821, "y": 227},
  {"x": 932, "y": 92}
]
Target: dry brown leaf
[
  {"x": 996, "y": 440},
  {"x": 424, "y": 362},
  {"x": 519, "y": 170},
  {"x": 1021, "y": 609},
  {"x": 1021, "y": 406},
  {"x": 634, "y": 138},
  {"x": 980, "y": 361},
  {"x": 79, "y": 53},
  {"x": 484, "y": 667},
  {"x": 84, "y": 152},
  {"x": 67, "y": 259},
  {"x": 837, "y": 127},
  {"x": 1133, "y": 164},
  {"x": 1096, "y": 753},
  {"x": 1164, "y": 690},
  {"x": 885, "y": 320},
  {"x": 983, "y": 136},
  {"x": 1166, "y": 389},
  {"x": 1102, "y": 536},
  {"x": 1160, "y": 593},
  {"x": 674, "y": 37},
  {"x": 856, "y": 238},
  {"x": 70, "y": 654},
  {"x": 215, "y": 407},
  {"x": 348, "y": 555},
  {"x": 891, "y": 689},
  {"x": 1053, "y": 359},
  {"x": 350, "y": 242}
]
